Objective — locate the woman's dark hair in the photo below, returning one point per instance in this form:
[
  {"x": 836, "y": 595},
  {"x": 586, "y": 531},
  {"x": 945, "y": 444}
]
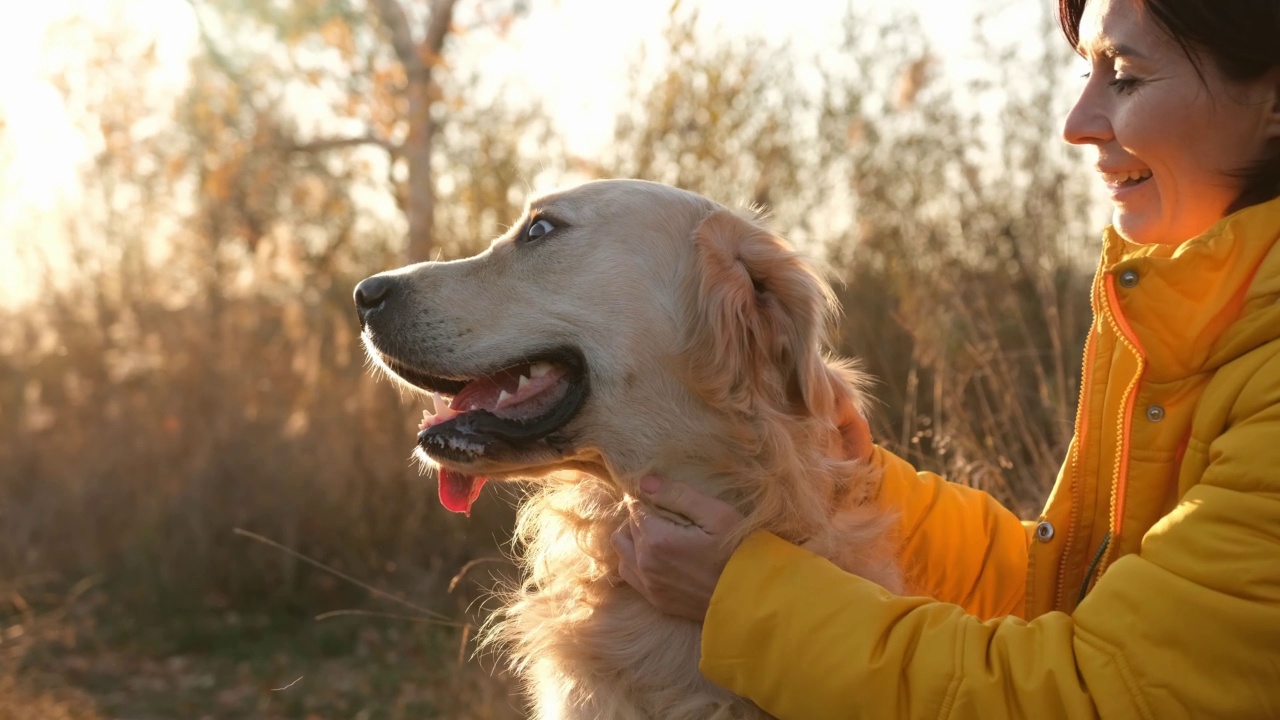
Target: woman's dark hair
[{"x": 1241, "y": 36}]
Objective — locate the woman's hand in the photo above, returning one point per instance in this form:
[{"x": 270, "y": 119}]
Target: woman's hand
[
  {"x": 676, "y": 567},
  {"x": 855, "y": 431}
]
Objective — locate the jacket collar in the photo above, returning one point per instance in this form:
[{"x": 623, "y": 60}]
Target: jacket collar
[{"x": 1204, "y": 302}]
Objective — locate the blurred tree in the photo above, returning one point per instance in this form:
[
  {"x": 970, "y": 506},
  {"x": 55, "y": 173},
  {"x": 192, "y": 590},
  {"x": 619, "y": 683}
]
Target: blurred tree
[
  {"x": 324, "y": 76},
  {"x": 419, "y": 61},
  {"x": 723, "y": 118},
  {"x": 194, "y": 364},
  {"x": 967, "y": 259}
]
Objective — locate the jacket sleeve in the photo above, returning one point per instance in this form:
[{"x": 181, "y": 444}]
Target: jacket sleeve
[
  {"x": 957, "y": 544},
  {"x": 806, "y": 641},
  {"x": 1185, "y": 628}
]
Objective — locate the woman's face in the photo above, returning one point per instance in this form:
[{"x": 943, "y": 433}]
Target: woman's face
[{"x": 1169, "y": 143}]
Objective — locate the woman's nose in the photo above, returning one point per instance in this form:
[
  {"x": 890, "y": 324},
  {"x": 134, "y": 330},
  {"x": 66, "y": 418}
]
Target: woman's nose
[{"x": 1088, "y": 122}]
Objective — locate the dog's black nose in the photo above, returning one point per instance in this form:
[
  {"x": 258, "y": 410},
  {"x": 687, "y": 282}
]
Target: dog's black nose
[{"x": 371, "y": 294}]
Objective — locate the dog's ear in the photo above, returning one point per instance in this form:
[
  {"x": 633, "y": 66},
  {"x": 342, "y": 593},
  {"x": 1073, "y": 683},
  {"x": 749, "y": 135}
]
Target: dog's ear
[{"x": 759, "y": 321}]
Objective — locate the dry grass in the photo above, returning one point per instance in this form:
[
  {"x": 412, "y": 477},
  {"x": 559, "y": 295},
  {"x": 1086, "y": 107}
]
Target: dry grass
[{"x": 137, "y": 446}]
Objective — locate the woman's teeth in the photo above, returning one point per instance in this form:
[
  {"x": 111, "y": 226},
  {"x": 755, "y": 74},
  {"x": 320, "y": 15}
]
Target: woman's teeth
[{"x": 1131, "y": 177}]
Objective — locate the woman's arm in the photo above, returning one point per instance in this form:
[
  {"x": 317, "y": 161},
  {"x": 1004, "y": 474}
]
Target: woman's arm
[
  {"x": 806, "y": 641},
  {"x": 957, "y": 544},
  {"x": 1187, "y": 628}
]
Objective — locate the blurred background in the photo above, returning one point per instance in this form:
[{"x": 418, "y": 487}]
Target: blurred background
[{"x": 207, "y": 507}]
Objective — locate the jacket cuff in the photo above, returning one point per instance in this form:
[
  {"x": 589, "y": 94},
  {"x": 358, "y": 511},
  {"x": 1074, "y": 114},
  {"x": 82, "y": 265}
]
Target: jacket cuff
[
  {"x": 757, "y": 562},
  {"x": 749, "y": 620}
]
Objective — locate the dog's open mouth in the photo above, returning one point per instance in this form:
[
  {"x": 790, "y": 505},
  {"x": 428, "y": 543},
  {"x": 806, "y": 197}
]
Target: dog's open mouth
[{"x": 501, "y": 416}]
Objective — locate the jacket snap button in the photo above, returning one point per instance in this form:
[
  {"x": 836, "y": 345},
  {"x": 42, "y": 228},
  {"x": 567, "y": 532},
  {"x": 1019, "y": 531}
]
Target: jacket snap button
[
  {"x": 1128, "y": 278},
  {"x": 1155, "y": 413},
  {"x": 1044, "y": 531}
]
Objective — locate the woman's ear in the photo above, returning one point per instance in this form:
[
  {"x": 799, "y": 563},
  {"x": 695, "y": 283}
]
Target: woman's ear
[{"x": 758, "y": 319}]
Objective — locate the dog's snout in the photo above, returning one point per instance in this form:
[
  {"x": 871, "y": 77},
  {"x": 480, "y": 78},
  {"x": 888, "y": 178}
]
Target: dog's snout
[{"x": 371, "y": 294}]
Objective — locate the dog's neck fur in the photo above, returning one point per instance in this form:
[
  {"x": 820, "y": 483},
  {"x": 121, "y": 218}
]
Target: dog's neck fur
[{"x": 788, "y": 474}]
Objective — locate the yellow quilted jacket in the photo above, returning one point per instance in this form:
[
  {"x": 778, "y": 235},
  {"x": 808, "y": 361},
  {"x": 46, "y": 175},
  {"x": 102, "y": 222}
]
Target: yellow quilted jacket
[{"x": 1148, "y": 588}]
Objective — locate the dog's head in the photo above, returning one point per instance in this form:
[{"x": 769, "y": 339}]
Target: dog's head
[{"x": 621, "y": 327}]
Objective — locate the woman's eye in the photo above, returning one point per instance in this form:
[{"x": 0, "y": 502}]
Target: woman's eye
[
  {"x": 1124, "y": 85},
  {"x": 539, "y": 229}
]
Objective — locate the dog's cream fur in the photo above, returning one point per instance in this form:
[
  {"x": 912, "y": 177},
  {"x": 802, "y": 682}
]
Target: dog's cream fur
[{"x": 703, "y": 334}]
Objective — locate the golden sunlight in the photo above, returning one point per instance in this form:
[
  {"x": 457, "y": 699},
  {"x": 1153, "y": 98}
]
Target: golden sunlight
[{"x": 571, "y": 55}]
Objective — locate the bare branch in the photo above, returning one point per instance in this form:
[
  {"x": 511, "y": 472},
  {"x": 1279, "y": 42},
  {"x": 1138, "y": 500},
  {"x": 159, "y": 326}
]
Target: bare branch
[
  {"x": 338, "y": 143},
  {"x": 391, "y": 12},
  {"x": 438, "y": 27}
]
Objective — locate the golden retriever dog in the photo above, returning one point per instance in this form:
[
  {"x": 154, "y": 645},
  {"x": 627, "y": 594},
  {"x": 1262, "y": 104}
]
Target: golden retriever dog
[{"x": 621, "y": 329}]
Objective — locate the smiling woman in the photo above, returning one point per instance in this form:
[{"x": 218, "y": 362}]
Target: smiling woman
[{"x": 1179, "y": 110}]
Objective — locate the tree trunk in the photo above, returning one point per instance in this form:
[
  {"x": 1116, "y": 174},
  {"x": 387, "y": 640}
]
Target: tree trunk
[
  {"x": 420, "y": 61},
  {"x": 422, "y": 191}
]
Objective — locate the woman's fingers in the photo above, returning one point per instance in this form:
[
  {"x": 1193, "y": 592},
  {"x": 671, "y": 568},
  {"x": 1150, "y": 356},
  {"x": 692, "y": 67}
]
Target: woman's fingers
[
  {"x": 675, "y": 566},
  {"x": 855, "y": 431},
  {"x": 710, "y": 514},
  {"x": 625, "y": 545}
]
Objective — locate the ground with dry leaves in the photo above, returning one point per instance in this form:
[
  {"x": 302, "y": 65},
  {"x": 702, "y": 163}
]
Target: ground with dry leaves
[{"x": 77, "y": 660}]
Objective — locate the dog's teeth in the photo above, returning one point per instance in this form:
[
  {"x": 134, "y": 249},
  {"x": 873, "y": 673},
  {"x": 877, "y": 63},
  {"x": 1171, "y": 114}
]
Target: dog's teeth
[
  {"x": 503, "y": 398},
  {"x": 539, "y": 369},
  {"x": 441, "y": 410},
  {"x": 523, "y": 381}
]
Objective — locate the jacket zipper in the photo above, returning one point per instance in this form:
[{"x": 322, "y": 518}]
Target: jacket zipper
[
  {"x": 1121, "y": 473},
  {"x": 1120, "y": 470},
  {"x": 1082, "y": 424},
  {"x": 1088, "y": 574}
]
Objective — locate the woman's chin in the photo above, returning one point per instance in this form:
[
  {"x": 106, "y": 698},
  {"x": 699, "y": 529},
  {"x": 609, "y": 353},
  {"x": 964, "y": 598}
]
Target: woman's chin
[
  {"x": 1134, "y": 227},
  {"x": 1148, "y": 224}
]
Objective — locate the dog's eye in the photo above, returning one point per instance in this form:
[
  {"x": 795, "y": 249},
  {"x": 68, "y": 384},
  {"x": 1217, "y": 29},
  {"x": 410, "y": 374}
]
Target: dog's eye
[{"x": 539, "y": 229}]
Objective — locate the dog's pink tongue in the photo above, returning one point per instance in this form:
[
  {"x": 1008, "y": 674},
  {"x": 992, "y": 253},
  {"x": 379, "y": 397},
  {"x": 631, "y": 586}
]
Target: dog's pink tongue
[{"x": 458, "y": 492}]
